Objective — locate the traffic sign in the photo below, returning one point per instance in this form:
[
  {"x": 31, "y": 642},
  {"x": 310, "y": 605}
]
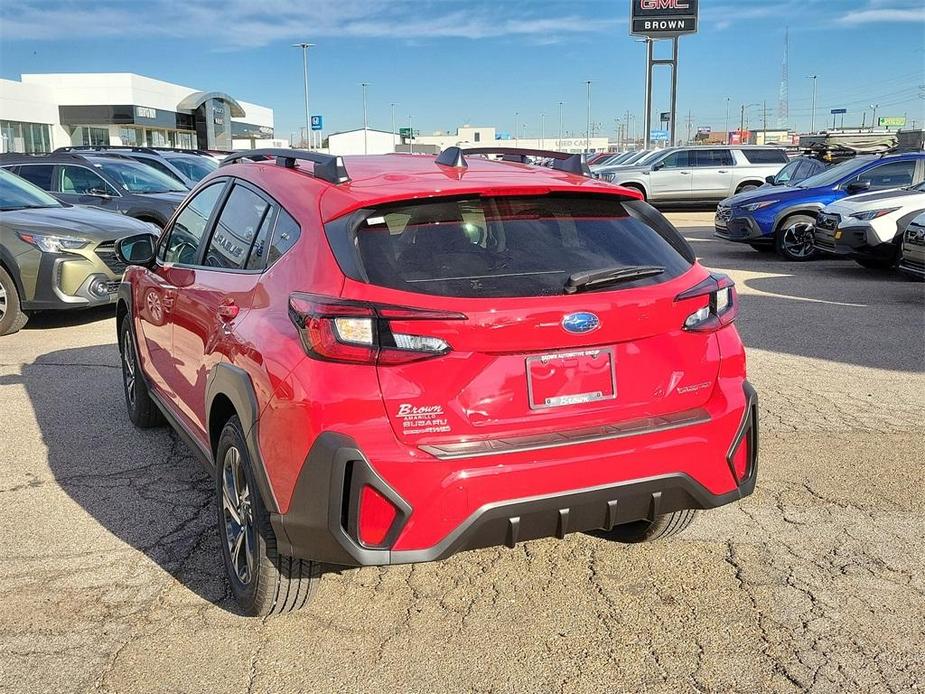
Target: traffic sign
[
  {"x": 665, "y": 116},
  {"x": 405, "y": 132},
  {"x": 891, "y": 121},
  {"x": 836, "y": 111},
  {"x": 317, "y": 122},
  {"x": 658, "y": 135}
]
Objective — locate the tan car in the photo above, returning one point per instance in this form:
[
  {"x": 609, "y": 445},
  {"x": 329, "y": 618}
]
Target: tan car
[
  {"x": 912, "y": 262},
  {"x": 54, "y": 255}
]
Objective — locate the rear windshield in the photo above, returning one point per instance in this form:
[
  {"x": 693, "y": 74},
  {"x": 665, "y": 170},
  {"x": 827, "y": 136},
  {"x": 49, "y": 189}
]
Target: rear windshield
[
  {"x": 512, "y": 246},
  {"x": 765, "y": 156}
]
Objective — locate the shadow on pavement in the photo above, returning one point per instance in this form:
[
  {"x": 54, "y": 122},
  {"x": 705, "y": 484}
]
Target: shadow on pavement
[
  {"x": 143, "y": 486},
  {"x": 63, "y": 319}
]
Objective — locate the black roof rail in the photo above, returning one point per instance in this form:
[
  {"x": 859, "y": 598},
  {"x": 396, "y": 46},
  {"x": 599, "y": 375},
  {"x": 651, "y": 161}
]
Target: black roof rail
[
  {"x": 562, "y": 161},
  {"x": 54, "y": 157},
  {"x": 328, "y": 167},
  {"x": 103, "y": 148},
  {"x": 182, "y": 150}
]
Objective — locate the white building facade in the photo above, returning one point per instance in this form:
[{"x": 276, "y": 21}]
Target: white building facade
[{"x": 46, "y": 111}]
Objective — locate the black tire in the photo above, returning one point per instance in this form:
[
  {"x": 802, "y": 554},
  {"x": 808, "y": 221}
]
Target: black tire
[
  {"x": 790, "y": 240},
  {"x": 263, "y": 581},
  {"x": 763, "y": 247},
  {"x": 746, "y": 187},
  {"x": 662, "y": 527},
  {"x": 142, "y": 411},
  {"x": 12, "y": 318}
]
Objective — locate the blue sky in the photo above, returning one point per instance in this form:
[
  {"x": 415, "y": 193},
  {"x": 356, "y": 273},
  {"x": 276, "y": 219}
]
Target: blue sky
[{"x": 479, "y": 62}]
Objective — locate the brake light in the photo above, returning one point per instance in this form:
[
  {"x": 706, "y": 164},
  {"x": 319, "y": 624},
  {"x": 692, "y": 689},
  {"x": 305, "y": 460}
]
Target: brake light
[
  {"x": 377, "y": 514},
  {"x": 343, "y": 330},
  {"x": 722, "y": 304}
]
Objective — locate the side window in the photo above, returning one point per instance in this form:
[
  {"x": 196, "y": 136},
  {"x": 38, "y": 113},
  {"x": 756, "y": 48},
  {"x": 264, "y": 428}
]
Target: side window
[
  {"x": 765, "y": 156},
  {"x": 285, "y": 235},
  {"x": 712, "y": 158},
  {"x": 892, "y": 175},
  {"x": 37, "y": 174},
  {"x": 676, "y": 160},
  {"x": 184, "y": 236},
  {"x": 237, "y": 226},
  {"x": 79, "y": 180},
  {"x": 160, "y": 166}
]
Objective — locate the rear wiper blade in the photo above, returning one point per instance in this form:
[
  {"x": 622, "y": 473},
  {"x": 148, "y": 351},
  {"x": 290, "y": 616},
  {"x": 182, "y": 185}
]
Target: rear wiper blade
[{"x": 593, "y": 279}]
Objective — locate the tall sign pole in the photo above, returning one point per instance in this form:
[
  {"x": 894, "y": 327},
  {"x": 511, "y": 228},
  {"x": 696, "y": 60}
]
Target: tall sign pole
[{"x": 662, "y": 19}]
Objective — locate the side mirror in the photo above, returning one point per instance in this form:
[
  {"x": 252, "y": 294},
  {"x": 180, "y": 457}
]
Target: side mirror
[
  {"x": 100, "y": 193},
  {"x": 136, "y": 250},
  {"x": 856, "y": 187},
  {"x": 769, "y": 179},
  {"x": 658, "y": 165}
]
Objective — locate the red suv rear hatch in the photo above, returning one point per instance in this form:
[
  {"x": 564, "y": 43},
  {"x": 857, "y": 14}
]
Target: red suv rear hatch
[{"x": 560, "y": 314}]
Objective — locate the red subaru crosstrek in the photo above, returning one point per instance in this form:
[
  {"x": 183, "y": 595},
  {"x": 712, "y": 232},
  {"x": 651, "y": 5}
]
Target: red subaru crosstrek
[{"x": 390, "y": 359}]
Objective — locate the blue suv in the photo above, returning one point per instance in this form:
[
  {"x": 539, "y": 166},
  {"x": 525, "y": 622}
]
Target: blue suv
[{"x": 781, "y": 218}]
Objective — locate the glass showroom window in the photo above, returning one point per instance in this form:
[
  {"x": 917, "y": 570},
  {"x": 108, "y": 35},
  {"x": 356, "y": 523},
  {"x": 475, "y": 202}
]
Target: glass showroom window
[
  {"x": 185, "y": 140},
  {"x": 156, "y": 138},
  {"x": 131, "y": 136},
  {"x": 24, "y": 137},
  {"x": 87, "y": 135}
]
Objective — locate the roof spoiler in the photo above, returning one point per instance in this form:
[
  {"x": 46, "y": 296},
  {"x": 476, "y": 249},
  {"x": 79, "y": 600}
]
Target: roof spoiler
[
  {"x": 328, "y": 167},
  {"x": 562, "y": 161}
]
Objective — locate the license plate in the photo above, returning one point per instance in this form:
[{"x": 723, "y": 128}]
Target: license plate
[{"x": 571, "y": 378}]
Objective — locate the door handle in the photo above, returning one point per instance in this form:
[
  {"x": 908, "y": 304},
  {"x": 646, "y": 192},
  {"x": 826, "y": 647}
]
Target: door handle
[
  {"x": 685, "y": 173},
  {"x": 228, "y": 310},
  {"x": 722, "y": 171}
]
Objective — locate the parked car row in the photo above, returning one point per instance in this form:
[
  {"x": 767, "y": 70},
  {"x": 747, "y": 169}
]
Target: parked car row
[{"x": 858, "y": 208}]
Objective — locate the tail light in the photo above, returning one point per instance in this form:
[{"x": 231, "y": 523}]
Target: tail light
[
  {"x": 377, "y": 514},
  {"x": 358, "y": 332},
  {"x": 722, "y": 304}
]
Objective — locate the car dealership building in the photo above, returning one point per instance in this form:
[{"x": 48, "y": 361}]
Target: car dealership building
[{"x": 46, "y": 111}]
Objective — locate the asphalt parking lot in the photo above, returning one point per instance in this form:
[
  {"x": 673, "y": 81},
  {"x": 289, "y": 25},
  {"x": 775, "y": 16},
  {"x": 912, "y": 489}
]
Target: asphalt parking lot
[{"x": 111, "y": 578}]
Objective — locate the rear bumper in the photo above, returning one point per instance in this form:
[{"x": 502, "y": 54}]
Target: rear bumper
[{"x": 319, "y": 522}]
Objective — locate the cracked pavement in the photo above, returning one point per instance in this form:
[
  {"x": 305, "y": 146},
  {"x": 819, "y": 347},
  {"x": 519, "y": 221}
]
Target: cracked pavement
[{"x": 111, "y": 579}]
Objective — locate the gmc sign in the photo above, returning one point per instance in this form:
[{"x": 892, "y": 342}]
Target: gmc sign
[{"x": 660, "y": 19}]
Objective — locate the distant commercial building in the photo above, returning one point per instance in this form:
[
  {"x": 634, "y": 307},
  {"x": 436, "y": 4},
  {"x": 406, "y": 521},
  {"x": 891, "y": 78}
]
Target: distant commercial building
[
  {"x": 381, "y": 142},
  {"x": 45, "y": 111}
]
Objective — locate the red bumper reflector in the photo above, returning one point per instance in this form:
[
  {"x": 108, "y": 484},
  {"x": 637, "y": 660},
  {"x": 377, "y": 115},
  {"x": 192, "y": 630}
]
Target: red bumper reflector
[{"x": 377, "y": 514}]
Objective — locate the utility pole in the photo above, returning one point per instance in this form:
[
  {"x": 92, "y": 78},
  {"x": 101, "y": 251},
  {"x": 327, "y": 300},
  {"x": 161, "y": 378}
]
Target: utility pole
[
  {"x": 394, "y": 143},
  {"x": 873, "y": 118},
  {"x": 542, "y": 131},
  {"x": 588, "y": 131},
  {"x": 559, "y": 141},
  {"x": 410, "y": 136},
  {"x": 516, "y": 118},
  {"x": 305, "y": 46},
  {"x": 726, "y": 127},
  {"x": 812, "y": 122},
  {"x": 690, "y": 122},
  {"x": 764, "y": 112},
  {"x": 365, "y": 121}
]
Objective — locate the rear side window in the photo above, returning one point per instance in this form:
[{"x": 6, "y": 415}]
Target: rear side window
[
  {"x": 241, "y": 218},
  {"x": 37, "y": 174},
  {"x": 765, "y": 156},
  {"x": 506, "y": 246},
  {"x": 712, "y": 157}
]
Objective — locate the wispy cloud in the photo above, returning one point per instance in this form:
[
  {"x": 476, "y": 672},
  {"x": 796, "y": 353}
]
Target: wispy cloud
[
  {"x": 881, "y": 15},
  {"x": 246, "y": 23}
]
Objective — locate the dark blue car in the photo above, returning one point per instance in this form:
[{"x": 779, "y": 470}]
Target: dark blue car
[{"x": 781, "y": 218}]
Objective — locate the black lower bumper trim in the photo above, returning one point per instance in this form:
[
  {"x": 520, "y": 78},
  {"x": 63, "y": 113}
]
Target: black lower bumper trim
[{"x": 314, "y": 527}]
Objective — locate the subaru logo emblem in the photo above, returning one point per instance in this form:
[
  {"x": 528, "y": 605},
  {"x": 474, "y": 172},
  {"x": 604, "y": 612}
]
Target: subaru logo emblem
[{"x": 579, "y": 323}]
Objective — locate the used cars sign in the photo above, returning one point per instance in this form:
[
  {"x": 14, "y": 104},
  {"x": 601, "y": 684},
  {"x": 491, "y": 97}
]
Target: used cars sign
[{"x": 660, "y": 19}]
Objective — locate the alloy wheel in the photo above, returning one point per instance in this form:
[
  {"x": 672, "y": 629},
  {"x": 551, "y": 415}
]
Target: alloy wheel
[
  {"x": 797, "y": 240},
  {"x": 238, "y": 516},
  {"x": 128, "y": 367},
  {"x": 2, "y": 302}
]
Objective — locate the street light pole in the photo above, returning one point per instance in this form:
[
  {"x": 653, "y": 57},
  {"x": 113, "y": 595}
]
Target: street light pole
[
  {"x": 873, "y": 119},
  {"x": 812, "y": 122},
  {"x": 410, "y": 136},
  {"x": 542, "y": 131},
  {"x": 588, "y": 131},
  {"x": 305, "y": 46},
  {"x": 559, "y": 141},
  {"x": 365, "y": 121},
  {"x": 726, "y": 127},
  {"x": 393, "y": 126},
  {"x": 516, "y": 118}
]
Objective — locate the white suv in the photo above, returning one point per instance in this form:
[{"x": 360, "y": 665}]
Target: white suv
[
  {"x": 707, "y": 173},
  {"x": 869, "y": 227}
]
